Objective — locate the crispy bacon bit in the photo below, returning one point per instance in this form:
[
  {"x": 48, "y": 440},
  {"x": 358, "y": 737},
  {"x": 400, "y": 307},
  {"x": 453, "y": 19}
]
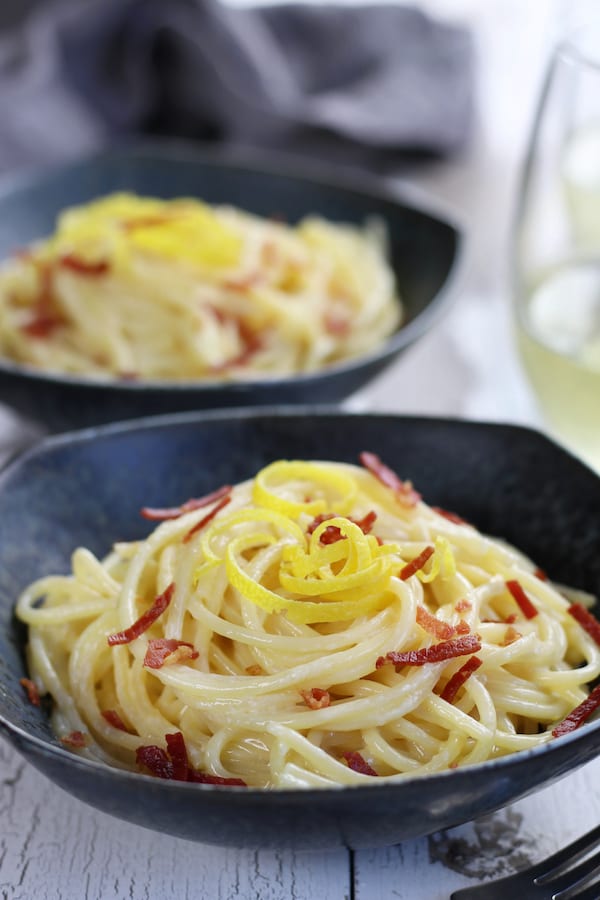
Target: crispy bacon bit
[
  {"x": 43, "y": 325},
  {"x": 254, "y": 669},
  {"x": 33, "y": 695},
  {"x": 404, "y": 491},
  {"x": 587, "y": 621},
  {"x": 463, "y": 646},
  {"x": 452, "y": 517},
  {"x": 523, "y": 601},
  {"x": 462, "y": 605},
  {"x": 462, "y": 628},
  {"x": 75, "y": 739},
  {"x": 155, "y": 759},
  {"x": 250, "y": 339},
  {"x": 46, "y": 317},
  {"x": 178, "y": 753},
  {"x": 332, "y": 533},
  {"x": 358, "y": 763},
  {"x": 173, "y": 763},
  {"x": 173, "y": 512},
  {"x": 316, "y": 698},
  {"x": 113, "y": 718},
  {"x": 167, "y": 651},
  {"x": 145, "y": 621},
  {"x": 511, "y": 635},
  {"x": 417, "y": 563},
  {"x": 84, "y": 267},
  {"x": 510, "y": 620},
  {"x": 459, "y": 678},
  {"x": 207, "y": 518},
  {"x": 579, "y": 714},
  {"x": 433, "y": 625},
  {"x": 539, "y": 573},
  {"x": 336, "y": 324}
]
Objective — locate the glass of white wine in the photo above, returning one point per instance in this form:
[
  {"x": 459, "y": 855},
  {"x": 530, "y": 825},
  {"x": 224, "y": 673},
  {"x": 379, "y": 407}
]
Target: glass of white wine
[{"x": 557, "y": 248}]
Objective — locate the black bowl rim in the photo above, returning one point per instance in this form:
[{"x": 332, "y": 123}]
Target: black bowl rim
[
  {"x": 345, "y": 181},
  {"x": 500, "y": 765}
]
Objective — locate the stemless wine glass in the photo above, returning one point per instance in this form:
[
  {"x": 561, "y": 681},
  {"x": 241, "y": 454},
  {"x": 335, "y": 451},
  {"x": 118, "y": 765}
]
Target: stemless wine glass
[{"x": 557, "y": 247}]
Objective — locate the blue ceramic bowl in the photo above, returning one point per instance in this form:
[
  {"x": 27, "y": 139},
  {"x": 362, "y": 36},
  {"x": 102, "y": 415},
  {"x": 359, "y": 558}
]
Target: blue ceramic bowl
[
  {"x": 424, "y": 249},
  {"x": 87, "y": 488}
]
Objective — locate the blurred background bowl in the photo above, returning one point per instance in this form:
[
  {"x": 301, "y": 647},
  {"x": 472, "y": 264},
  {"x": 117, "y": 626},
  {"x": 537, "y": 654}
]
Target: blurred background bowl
[
  {"x": 424, "y": 250},
  {"x": 87, "y": 489}
]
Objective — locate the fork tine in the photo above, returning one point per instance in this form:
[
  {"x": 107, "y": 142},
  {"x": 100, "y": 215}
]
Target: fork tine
[
  {"x": 590, "y": 893},
  {"x": 554, "y": 865},
  {"x": 571, "y": 877},
  {"x": 545, "y": 878}
]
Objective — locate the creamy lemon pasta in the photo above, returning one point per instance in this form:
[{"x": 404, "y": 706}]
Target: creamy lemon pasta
[
  {"x": 133, "y": 287},
  {"x": 316, "y": 625}
]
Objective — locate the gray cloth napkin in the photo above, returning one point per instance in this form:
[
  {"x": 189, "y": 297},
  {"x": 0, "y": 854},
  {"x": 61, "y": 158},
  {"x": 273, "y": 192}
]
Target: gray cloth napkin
[{"x": 353, "y": 84}]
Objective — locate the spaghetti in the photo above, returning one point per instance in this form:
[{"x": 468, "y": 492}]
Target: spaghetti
[
  {"x": 132, "y": 287},
  {"x": 317, "y": 625}
]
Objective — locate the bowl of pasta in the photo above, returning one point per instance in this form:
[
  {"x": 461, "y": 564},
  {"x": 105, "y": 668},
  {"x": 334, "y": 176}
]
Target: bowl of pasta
[
  {"x": 297, "y": 627},
  {"x": 163, "y": 278}
]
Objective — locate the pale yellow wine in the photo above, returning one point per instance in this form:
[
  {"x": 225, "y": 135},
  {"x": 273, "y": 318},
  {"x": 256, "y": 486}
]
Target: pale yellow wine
[{"x": 558, "y": 329}]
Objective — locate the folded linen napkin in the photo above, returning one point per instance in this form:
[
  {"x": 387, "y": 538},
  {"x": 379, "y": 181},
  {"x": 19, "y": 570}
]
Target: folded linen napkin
[{"x": 355, "y": 84}]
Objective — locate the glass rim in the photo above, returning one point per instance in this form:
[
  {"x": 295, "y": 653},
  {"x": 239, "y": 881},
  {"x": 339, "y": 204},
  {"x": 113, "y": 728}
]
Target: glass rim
[{"x": 571, "y": 48}]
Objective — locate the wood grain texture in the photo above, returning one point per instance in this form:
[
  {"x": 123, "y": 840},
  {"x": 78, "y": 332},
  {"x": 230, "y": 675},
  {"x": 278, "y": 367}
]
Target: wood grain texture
[
  {"x": 53, "y": 847},
  {"x": 492, "y": 847}
]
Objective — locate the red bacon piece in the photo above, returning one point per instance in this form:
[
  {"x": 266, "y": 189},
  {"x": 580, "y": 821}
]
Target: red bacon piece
[
  {"x": 316, "y": 698},
  {"x": 173, "y": 512},
  {"x": 404, "y": 491},
  {"x": 206, "y": 519},
  {"x": 75, "y": 739},
  {"x": 459, "y": 678},
  {"x": 463, "y": 646},
  {"x": 358, "y": 763},
  {"x": 523, "y": 601},
  {"x": 433, "y": 625},
  {"x": 462, "y": 628},
  {"x": 587, "y": 621},
  {"x": 332, "y": 533},
  {"x": 46, "y": 317},
  {"x": 417, "y": 563},
  {"x": 462, "y": 605},
  {"x": 177, "y": 751},
  {"x": 161, "y": 649},
  {"x": 145, "y": 621},
  {"x": 84, "y": 267},
  {"x": 33, "y": 695},
  {"x": 113, "y": 718},
  {"x": 452, "y": 517},
  {"x": 155, "y": 759},
  {"x": 539, "y": 573},
  {"x": 579, "y": 715},
  {"x": 173, "y": 763}
]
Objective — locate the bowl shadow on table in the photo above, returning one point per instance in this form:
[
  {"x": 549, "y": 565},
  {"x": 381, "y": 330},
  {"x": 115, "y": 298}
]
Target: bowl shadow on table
[
  {"x": 87, "y": 489},
  {"x": 424, "y": 247}
]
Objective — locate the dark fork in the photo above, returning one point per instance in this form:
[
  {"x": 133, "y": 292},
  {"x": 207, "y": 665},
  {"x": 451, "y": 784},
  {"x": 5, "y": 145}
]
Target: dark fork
[{"x": 564, "y": 876}]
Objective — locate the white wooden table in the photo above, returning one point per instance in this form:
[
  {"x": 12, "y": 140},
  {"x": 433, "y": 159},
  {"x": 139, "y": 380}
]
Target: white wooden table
[{"x": 52, "y": 846}]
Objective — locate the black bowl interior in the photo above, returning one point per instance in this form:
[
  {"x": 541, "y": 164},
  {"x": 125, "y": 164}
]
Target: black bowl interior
[
  {"x": 424, "y": 248},
  {"x": 87, "y": 489}
]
